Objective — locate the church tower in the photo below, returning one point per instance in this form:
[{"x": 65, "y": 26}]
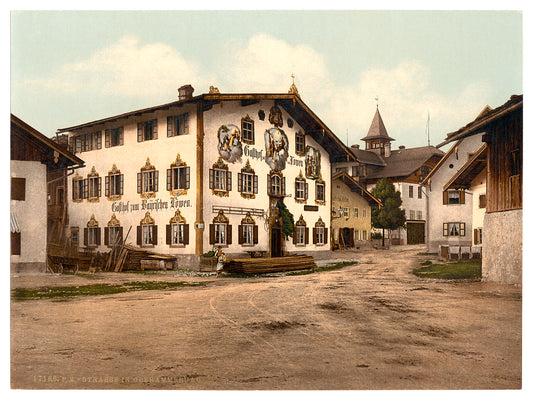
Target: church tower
[{"x": 378, "y": 140}]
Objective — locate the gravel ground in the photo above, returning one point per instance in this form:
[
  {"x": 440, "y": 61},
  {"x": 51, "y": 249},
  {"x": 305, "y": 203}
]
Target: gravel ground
[{"x": 372, "y": 325}]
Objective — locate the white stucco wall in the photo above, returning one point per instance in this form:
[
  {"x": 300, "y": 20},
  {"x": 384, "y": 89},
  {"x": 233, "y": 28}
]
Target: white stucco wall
[
  {"x": 438, "y": 212},
  {"x": 130, "y": 157},
  {"x": 31, "y": 215},
  {"x": 479, "y": 187}
]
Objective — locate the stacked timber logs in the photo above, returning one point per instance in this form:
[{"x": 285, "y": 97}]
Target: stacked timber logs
[
  {"x": 131, "y": 257},
  {"x": 269, "y": 265}
]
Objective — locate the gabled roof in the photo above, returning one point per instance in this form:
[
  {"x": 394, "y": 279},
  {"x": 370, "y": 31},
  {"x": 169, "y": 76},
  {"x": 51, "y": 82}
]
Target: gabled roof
[
  {"x": 464, "y": 176},
  {"x": 367, "y": 157},
  {"x": 404, "y": 162},
  {"x": 48, "y": 145},
  {"x": 356, "y": 187},
  {"x": 441, "y": 162},
  {"x": 377, "y": 129},
  {"x": 291, "y": 102},
  {"x": 485, "y": 119}
]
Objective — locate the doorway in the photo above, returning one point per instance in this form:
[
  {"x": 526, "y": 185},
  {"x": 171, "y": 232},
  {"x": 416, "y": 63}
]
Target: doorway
[{"x": 275, "y": 242}]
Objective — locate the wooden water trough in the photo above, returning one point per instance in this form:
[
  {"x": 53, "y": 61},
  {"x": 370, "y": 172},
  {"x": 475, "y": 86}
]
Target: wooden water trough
[{"x": 269, "y": 265}]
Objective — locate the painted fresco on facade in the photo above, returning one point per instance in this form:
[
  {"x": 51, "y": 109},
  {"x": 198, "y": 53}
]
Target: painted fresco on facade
[
  {"x": 277, "y": 148},
  {"x": 229, "y": 143},
  {"x": 312, "y": 163}
]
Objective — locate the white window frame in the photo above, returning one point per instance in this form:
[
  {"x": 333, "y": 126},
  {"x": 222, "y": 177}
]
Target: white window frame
[
  {"x": 148, "y": 181},
  {"x": 220, "y": 179},
  {"x": 179, "y": 182},
  {"x": 93, "y": 189},
  {"x": 454, "y": 197},
  {"x": 419, "y": 214},
  {"x": 323, "y": 198},
  {"x": 247, "y": 234},
  {"x": 300, "y": 235},
  {"x": 248, "y": 134},
  {"x": 147, "y": 235},
  {"x": 115, "y": 184},
  {"x": 320, "y": 232},
  {"x": 177, "y": 234},
  {"x": 221, "y": 234},
  {"x": 275, "y": 185},
  {"x": 114, "y": 233},
  {"x": 247, "y": 184},
  {"x": 300, "y": 190},
  {"x": 92, "y": 235}
]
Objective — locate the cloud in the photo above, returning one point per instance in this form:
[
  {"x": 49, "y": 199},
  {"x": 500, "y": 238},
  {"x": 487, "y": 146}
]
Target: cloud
[
  {"x": 126, "y": 68},
  {"x": 265, "y": 63}
]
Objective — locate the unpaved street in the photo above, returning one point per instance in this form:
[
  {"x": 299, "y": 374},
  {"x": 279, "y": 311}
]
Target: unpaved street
[{"x": 368, "y": 326}]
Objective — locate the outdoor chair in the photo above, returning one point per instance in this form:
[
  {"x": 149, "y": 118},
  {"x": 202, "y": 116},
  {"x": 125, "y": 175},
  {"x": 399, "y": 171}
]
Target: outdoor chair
[{"x": 453, "y": 251}]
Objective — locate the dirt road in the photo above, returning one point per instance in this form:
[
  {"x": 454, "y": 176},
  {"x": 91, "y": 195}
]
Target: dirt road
[{"x": 368, "y": 326}]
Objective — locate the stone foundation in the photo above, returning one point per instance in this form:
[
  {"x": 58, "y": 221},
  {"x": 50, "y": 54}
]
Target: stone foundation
[
  {"x": 28, "y": 267},
  {"x": 502, "y": 247}
]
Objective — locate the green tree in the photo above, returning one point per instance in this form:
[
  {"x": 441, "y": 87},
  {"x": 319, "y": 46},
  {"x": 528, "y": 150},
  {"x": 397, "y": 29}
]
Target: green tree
[
  {"x": 287, "y": 220},
  {"x": 390, "y": 216}
]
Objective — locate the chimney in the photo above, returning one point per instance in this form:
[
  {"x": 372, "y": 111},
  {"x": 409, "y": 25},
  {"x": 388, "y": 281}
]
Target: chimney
[
  {"x": 355, "y": 146},
  {"x": 185, "y": 92},
  {"x": 401, "y": 147}
]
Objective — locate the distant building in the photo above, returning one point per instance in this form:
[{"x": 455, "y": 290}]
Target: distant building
[
  {"x": 33, "y": 158},
  {"x": 351, "y": 207},
  {"x": 405, "y": 167},
  {"x": 498, "y": 162}
]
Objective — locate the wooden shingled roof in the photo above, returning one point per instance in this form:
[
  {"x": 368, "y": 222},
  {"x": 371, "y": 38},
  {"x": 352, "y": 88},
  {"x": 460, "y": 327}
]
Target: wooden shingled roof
[
  {"x": 462, "y": 179},
  {"x": 486, "y": 118},
  {"x": 291, "y": 102},
  {"x": 356, "y": 187},
  {"x": 377, "y": 129}
]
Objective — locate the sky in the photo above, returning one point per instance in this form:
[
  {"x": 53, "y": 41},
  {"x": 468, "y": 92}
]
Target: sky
[{"x": 72, "y": 67}]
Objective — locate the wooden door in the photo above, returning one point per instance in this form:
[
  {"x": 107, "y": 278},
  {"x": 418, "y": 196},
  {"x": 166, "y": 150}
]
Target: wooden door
[
  {"x": 275, "y": 242},
  {"x": 415, "y": 233}
]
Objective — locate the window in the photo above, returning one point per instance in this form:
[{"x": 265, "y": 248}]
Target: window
[
  {"x": 453, "y": 229},
  {"x": 359, "y": 171},
  {"x": 114, "y": 183},
  {"x": 93, "y": 186},
  {"x": 300, "y": 189},
  {"x": 320, "y": 191},
  {"x": 78, "y": 188},
  {"x": 355, "y": 212},
  {"x": 114, "y": 137},
  {"x": 220, "y": 178},
  {"x": 87, "y": 142},
  {"x": 320, "y": 233},
  {"x": 177, "y": 231},
  {"x": 248, "y": 231},
  {"x": 147, "y": 131},
  {"x": 365, "y": 235},
  {"x": 92, "y": 233},
  {"x": 220, "y": 230},
  {"x": 300, "y": 143},
  {"x": 478, "y": 236},
  {"x": 148, "y": 180},
  {"x": 113, "y": 232},
  {"x": 276, "y": 183},
  {"x": 419, "y": 214},
  {"x": 453, "y": 197},
  {"x": 356, "y": 235},
  {"x": 419, "y": 192},
  {"x": 178, "y": 177},
  {"x": 247, "y": 182},
  {"x": 147, "y": 232},
  {"x": 247, "y": 130},
  {"x": 178, "y": 125},
  {"x": 411, "y": 214},
  {"x": 482, "y": 201},
  {"x": 74, "y": 237},
  {"x": 301, "y": 233},
  {"x": 15, "y": 243},
  {"x": 364, "y": 212},
  {"x": 60, "y": 196},
  {"x": 410, "y": 191},
  {"x": 18, "y": 188}
]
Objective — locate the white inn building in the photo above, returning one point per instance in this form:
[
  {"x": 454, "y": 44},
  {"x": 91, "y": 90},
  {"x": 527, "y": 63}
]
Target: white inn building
[{"x": 204, "y": 172}]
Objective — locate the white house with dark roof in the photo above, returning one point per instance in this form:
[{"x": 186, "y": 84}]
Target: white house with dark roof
[
  {"x": 405, "y": 167},
  {"x": 206, "y": 172}
]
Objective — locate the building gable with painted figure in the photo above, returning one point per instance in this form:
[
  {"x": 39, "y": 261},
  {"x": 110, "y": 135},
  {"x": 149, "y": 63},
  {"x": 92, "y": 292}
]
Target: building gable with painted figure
[
  {"x": 405, "y": 167},
  {"x": 205, "y": 172}
]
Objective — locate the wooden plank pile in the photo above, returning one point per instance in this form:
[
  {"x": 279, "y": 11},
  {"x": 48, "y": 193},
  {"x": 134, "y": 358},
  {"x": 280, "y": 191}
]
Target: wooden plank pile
[
  {"x": 269, "y": 265},
  {"x": 131, "y": 256}
]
